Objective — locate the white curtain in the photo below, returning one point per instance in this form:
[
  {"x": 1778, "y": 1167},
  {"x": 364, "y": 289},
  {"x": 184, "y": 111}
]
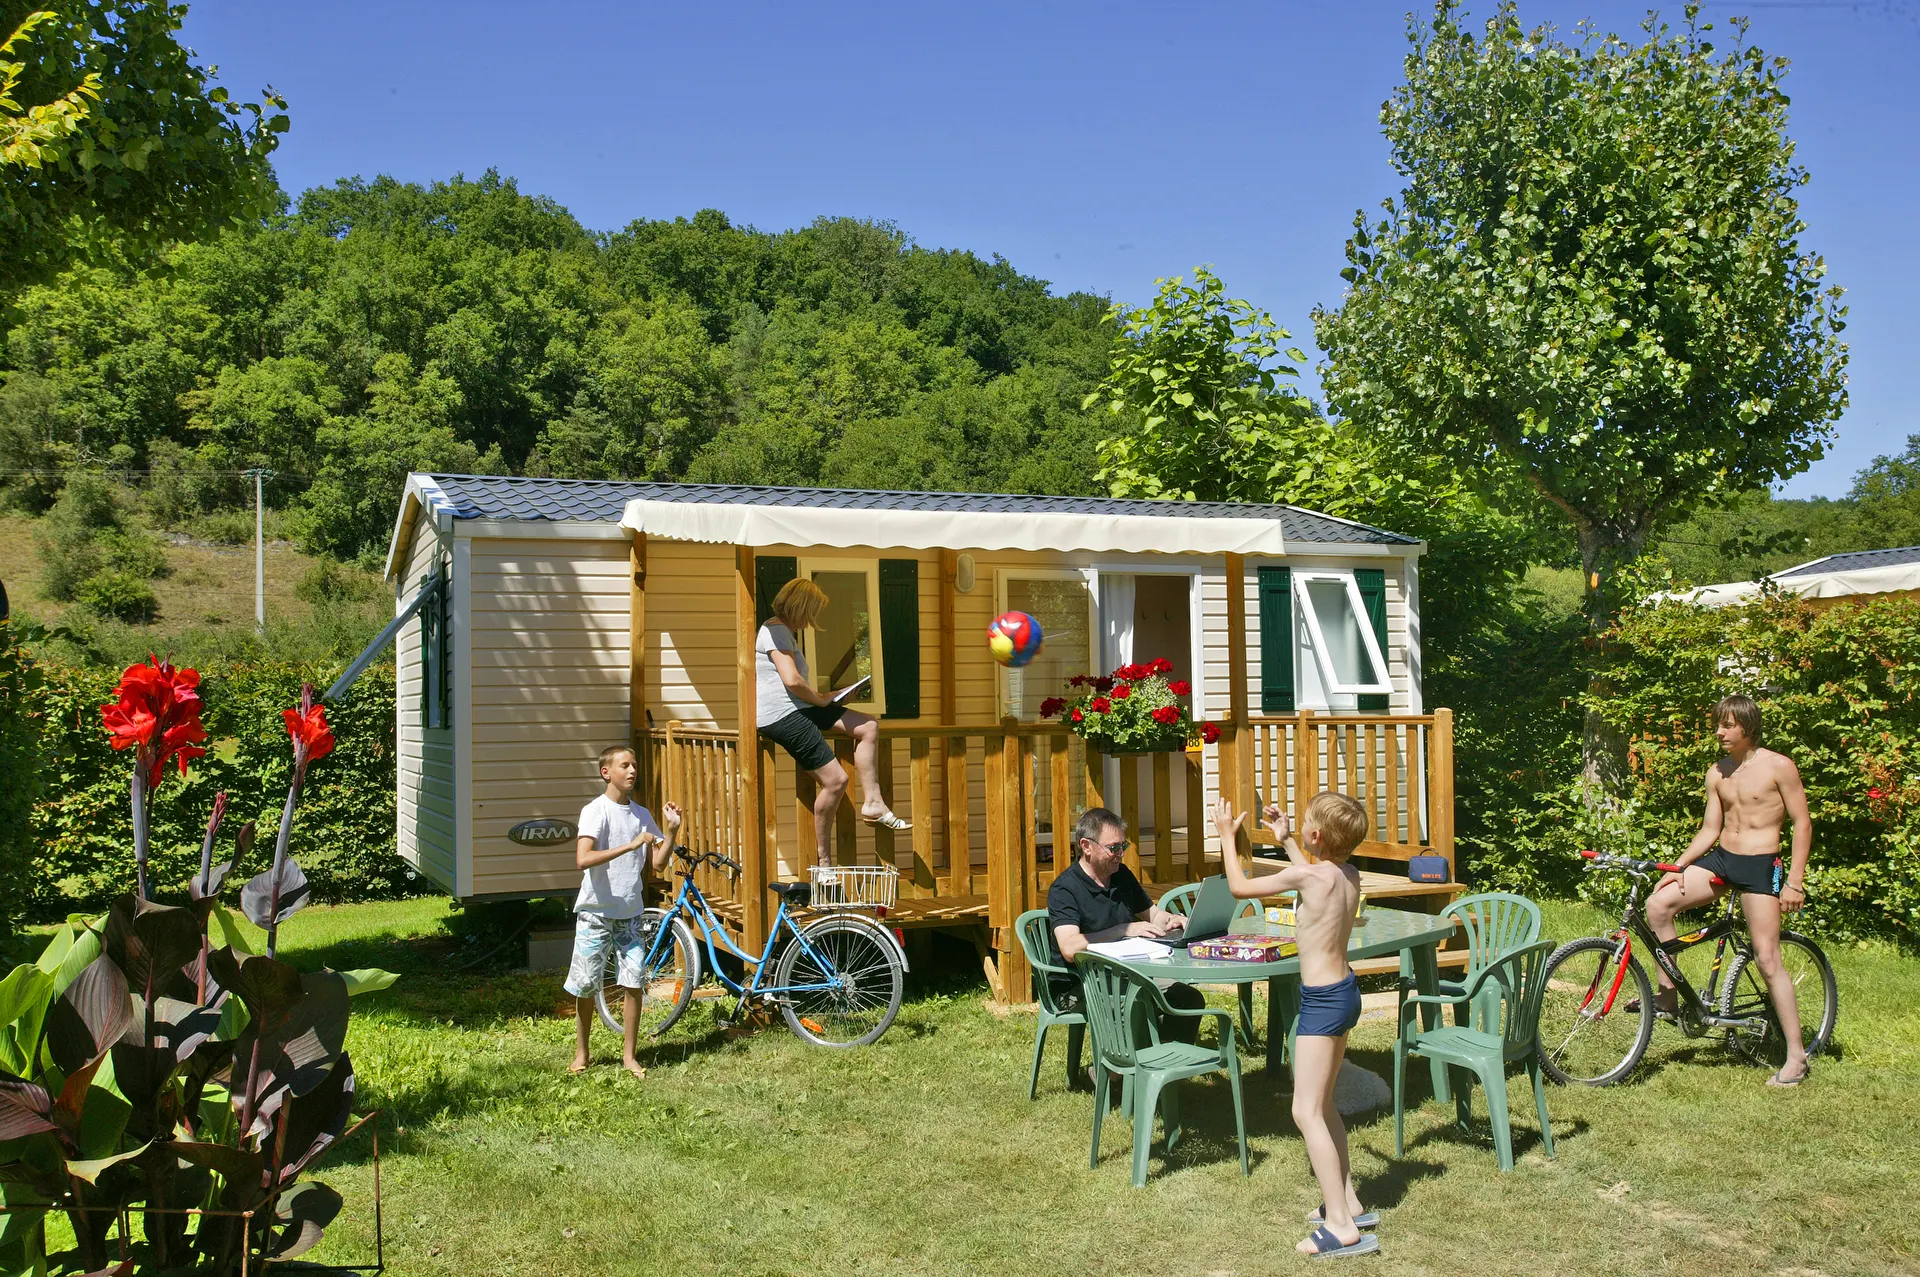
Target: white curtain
[{"x": 1116, "y": 619}]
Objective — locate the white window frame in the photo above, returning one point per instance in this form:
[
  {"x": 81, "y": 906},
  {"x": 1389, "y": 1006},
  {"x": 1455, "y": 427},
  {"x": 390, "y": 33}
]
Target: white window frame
[
  {"x": 1303, "y": 604},
  {"x": 805, "y": 568},
  {"x": 1003, "y": 677}
]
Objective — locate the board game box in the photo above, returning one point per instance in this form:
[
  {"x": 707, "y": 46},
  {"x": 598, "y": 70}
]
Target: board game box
[{"x": 1244, "y": 948}]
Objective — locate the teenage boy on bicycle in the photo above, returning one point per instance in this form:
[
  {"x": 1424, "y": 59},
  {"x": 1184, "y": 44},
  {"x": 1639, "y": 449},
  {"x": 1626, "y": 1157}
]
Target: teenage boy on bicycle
[
  {"x": 1751, "y": 794},
  {"x": 612, "y": 897}
]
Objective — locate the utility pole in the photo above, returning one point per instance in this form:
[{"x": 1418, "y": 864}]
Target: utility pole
[{"x": 259, "y": 552}]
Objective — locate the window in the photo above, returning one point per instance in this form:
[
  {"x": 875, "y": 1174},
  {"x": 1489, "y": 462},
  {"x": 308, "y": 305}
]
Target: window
[
  {"x": 436, "y": 655},
  {"x": 844, "y": 645},
  {"x": 1340, "y": 634},
  {"x": 1063, "y": 604}
]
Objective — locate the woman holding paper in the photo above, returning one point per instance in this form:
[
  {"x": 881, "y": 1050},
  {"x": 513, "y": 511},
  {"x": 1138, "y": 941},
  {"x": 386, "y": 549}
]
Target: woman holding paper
[{"x": 792, "y": 713}]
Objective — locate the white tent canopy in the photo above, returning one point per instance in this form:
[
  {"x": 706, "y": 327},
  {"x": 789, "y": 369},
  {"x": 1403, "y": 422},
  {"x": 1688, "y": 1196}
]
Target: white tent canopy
[
  {"x": 1833, "y": 577},
  {"x": 743, "y": 524}
]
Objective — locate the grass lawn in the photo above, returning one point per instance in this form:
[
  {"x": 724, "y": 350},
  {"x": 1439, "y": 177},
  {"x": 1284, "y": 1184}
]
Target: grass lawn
[{"x": 748, "y": 1152}]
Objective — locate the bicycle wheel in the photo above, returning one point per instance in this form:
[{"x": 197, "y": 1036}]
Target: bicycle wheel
[
  {"x": 668, "y": 981},
  {"x": 1744, "y": 994},
  {"x": 1582, "y": 1039},
  {"x": 841, "y": 982}
]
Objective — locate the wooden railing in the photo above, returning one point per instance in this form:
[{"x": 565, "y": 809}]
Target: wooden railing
[
  {"x": 993, "y": 806},
  {"x": 1400, "y": 766}
]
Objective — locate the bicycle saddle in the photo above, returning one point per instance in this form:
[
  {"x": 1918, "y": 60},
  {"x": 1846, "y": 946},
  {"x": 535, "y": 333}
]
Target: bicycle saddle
[{"x": 797, "y": 894}]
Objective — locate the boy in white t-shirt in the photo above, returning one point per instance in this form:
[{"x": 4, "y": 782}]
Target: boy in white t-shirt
[{"x": 607, "y": 911}]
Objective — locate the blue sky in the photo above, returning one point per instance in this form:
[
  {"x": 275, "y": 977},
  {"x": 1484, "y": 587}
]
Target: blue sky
[{"x": 1098, "y": 146}]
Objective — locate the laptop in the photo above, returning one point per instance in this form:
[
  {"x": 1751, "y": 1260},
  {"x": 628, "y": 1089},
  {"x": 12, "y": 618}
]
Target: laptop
[{"x": 1212, "y": 915}]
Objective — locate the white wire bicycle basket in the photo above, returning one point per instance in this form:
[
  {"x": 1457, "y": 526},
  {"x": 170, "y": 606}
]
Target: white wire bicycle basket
[{"x": 855, "y": 886}]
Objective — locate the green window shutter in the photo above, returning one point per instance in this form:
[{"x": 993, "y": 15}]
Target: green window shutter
[
  {"x": 900, "y": 635},
  {"x": 444, "y": 606},
  {"x": 770, "y": 572},
  {"x": 1373, "y": 597},
  {"x": 1276, "y": 640}
]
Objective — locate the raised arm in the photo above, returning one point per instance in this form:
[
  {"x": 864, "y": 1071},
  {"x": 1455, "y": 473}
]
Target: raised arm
[
  {"x": 586, "y": 856},
  {"x": 1243, "y": 885}
]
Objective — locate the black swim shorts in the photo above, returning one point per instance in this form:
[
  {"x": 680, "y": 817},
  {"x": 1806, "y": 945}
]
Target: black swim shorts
[
  {"x": 799, "y": 733},
  {"x": 1754, "y": 874}
]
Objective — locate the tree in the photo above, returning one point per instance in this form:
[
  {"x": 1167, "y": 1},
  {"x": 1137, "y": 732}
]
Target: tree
[
  {"x": 1888, "y": 493},
  {"x": 1593, "y": 278},
  {"x": 160, "y": 154},
  {"x": 28, "y": 134}
]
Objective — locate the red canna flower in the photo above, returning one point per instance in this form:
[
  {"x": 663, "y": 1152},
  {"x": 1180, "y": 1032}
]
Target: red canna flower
[
  {"x": 1100, "y": 705},
  {"x": 1121, "y": 691},
  {"x": 312, "y": 738},
  {"x": 1209, "y": 732},
  {"x": 157, "y": 715},
  {"x": 1180, "y": 687}
]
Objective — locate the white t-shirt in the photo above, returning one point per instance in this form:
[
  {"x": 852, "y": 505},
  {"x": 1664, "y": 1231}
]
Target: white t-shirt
[
  {"x": 773, "y": 701},
  {"x": 613, "y": 890}
]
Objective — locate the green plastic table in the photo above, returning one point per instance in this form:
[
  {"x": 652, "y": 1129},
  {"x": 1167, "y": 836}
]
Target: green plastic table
[{"x": 1383, "y": 932}]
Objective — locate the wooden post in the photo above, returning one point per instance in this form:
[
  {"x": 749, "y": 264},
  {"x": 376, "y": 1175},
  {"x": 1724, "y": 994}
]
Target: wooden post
[
  {"x": 920, "y": 789},
  {"x": 1162, "y": 818},
  {"x": 1235, "y": 755},
  {"x": 1197, "y": 817},
  {"x": 1306, "y": 765},
  {"x": 640, "y": 737},
  {"x": 955, "y": 828},
  {"x": 1016, "y": 977},
  {"x": 755, "y": 776},
  {"x": 1440, "y": 786},
  {"x": 1130, "y": 809}
]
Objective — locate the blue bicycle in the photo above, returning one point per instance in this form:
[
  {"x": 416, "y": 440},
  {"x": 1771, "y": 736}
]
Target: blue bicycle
[{"x": 837, "y": 979}]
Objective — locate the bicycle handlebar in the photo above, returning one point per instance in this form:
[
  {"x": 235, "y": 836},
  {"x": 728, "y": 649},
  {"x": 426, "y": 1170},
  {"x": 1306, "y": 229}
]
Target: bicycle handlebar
[
  {"x": 694, "y": 859},
  {"x": 1637, "y": 866}
]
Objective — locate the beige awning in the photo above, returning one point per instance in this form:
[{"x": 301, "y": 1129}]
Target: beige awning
[
  {"x": 757, "y": 525},
  {"x": 1810, "y": 585}
]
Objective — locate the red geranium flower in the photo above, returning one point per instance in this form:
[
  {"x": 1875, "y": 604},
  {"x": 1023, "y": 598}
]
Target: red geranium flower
[
  {"x": 1121, "y": 691},
  {"x": 1051, "y": 706},
  {"x": 1076, "y": 716},
  {"x": 1161, "y": 665},
  {"x": 1209, "y": 732},
  {"x": 1180, "y": 687},
  {"x": 1100, "y": 705},
  {"x": 1166, "y": 715},
  {"x": 1078, "y": 680},
  {"x": 1103, "y": 685},
  {"x": 312, "y": 738},
  {"x": 157, "y": 716}
]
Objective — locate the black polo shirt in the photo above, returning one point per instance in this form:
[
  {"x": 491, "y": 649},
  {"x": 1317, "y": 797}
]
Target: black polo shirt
[{"x": 1076, "y": 900}]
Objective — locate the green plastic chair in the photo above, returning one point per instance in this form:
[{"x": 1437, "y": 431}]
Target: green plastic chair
[
  {"x": 1496, "y": 923},
  {"x": 1486, "y": 1049},
  {"x": 1180, "y": 901},
  {"x": 1032, "y": 929},
  {"x": 1117, "y": 999}
]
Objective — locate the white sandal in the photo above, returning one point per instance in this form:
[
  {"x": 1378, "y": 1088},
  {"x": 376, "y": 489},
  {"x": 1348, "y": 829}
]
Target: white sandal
[{"x": 886, "y": 820}]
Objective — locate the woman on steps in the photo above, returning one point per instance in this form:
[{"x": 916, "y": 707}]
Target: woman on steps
[{"x": 792, "y": 713}]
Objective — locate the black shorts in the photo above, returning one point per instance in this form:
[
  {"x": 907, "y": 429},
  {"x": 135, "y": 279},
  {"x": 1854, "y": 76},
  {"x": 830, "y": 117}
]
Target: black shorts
[
  {"x": 1747, "y": 874},
  {"x": 800, "y": 734}
]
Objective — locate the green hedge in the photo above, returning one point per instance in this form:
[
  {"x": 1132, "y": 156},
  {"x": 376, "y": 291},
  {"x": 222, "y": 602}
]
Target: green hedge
[
  {"x": 1839, "y": 689},
  {"x": 343, "y": 831}
]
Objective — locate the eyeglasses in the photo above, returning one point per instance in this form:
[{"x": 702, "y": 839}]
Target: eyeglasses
[{"x": 1113, "y": 848}]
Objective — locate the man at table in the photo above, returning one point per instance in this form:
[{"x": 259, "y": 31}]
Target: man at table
[{"x": 1097, "y": 898}]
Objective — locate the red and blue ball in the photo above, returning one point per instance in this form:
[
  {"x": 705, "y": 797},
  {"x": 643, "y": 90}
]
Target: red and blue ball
[{"x": 1014, "y": 638}]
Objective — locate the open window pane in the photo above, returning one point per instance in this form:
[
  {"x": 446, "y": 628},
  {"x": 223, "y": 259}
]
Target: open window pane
[
  {"x": 842, "y": 639},
  {"x": 1343, "y": 643},
  {"x": 1064, "y": 608}
]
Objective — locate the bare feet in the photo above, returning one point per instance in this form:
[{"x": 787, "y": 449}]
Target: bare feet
[
  {"x": 632, "y": 1066},
  {"x": 1783, "y": 1078}
]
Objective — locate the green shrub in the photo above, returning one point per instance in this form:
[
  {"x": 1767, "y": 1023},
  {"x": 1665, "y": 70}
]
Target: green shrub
[
  {"x": 328, "y": 583},
  {"x": 343, "y": 833},
  {"x": 117, "y": 594},
  {"x": 22, "y": 716},
  {"x": 1839, "y": 689}
]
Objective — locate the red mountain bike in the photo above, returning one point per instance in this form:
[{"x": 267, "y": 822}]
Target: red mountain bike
[{"x": 1598, "y": 1012}]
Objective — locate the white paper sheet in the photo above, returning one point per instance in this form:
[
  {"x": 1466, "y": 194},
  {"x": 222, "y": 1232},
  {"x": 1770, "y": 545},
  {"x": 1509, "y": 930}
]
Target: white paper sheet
[{"x": 1129, "y": 949}]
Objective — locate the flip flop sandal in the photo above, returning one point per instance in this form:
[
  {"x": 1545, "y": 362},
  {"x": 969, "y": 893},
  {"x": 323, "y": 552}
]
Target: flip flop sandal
[
  {"x": 1780, "y": 1083},
  {"x": 1365, "y": 1219},
  {"x": 1327, "y": 1246},
  {"x": 887, "y": 820},
  {"x": 1632, "y": 1007}
]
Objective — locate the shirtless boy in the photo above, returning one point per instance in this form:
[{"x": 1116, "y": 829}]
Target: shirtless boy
[
  {"x": 1751, "y": 794},
  {"x": 1328, "y": 891}
]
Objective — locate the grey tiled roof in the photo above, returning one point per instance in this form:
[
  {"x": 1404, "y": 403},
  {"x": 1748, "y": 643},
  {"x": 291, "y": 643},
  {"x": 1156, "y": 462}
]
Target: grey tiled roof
[
  {"x": 1855, "y": 560},
  {"x": 603, "y": 501}
]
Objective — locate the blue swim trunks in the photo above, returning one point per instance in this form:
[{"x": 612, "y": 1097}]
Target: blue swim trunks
[{"x": 1329, "y": 1010}]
